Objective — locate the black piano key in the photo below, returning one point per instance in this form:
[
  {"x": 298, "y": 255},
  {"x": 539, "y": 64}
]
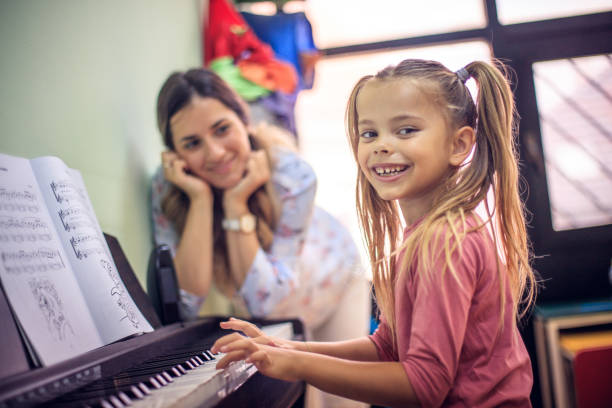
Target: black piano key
[
  {"x": 124, "y": 398},
  {"x": 116, "y": 402},
  {"x": 167, "y": 376},
  {"x": 106, "y": 404},
  {"x": 160, "y": 378}
]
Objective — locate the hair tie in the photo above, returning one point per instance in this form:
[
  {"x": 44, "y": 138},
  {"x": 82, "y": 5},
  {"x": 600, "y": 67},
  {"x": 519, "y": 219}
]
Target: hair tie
[{"x": 463, "y": 75}]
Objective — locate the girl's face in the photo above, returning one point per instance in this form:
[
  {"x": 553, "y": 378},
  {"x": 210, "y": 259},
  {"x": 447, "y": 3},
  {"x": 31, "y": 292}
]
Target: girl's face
[
  {"x": 404, "y": 146},
  {"x": 213, "y": 141}
]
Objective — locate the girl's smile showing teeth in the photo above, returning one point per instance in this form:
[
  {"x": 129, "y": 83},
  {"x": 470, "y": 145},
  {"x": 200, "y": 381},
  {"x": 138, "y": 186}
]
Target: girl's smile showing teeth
[{"x": 389, "y": 170}]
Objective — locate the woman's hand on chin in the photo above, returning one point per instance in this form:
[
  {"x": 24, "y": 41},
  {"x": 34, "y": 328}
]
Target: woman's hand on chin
[
  {"x": 177, "y": 172},
  {"x": 257, "y": 174}
]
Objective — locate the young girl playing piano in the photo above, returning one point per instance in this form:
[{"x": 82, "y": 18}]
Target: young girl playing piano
[{"x": 449, "y": 283}]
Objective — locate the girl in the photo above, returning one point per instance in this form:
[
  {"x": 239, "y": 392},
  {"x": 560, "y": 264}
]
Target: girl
[{"x": 450, "y": 285}]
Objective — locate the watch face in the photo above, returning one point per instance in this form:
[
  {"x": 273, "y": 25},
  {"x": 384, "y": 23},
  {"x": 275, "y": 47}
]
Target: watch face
[{"x": 247, "y": 223}]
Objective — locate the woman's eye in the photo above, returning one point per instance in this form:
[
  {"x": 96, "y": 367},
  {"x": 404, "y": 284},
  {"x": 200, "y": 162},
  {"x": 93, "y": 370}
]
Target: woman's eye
[
  {"x": 191, "y": 144},
  {"x": 368, "y": 134},
  {"x": 222, "y": 129}
]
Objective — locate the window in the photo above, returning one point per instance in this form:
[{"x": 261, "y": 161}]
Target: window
[
  {"x": 521, "y": 11},
  {"x": 574, "y": 98}
]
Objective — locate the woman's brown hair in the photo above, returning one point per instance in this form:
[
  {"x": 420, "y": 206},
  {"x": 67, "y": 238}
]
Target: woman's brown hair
[{"x": 176, "y": 93}]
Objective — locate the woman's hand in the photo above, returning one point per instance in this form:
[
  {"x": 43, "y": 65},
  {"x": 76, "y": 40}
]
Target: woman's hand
[
  {"x": 273, "y": 357},
  {"x": 176, "y": 172},
  {"x": 257, "y": 173}
]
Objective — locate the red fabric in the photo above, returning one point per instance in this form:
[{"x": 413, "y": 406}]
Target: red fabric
[
  {"x": 273, "y": 75},
  {"x": 226, "y": 34}
]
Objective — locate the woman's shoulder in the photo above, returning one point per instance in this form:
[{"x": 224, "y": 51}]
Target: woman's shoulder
[
  {"x": 159, "y": 184},
  {"x": 290, "y": 172}
]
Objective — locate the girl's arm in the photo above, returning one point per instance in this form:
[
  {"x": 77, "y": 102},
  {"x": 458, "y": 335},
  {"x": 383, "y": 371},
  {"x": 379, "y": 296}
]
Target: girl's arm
[
  {"x": 374, "y": 382},
  {"x": 359, "y": 349}
]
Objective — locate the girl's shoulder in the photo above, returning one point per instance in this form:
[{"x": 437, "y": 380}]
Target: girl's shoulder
[{"x": 467, "y": 234}]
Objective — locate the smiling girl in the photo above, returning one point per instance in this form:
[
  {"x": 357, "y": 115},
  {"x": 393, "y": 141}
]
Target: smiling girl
[{"x": 448, "y": 289}]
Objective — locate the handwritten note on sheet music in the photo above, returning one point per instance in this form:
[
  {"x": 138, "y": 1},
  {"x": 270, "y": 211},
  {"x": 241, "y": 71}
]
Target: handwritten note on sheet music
[{"x": 56, "y": 268}]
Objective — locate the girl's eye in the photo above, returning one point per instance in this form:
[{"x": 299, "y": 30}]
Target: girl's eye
[
  {"x": 407, "y": 131},
  {"x": 368, "y": 134},
  {"x": 222, "y": 129}
]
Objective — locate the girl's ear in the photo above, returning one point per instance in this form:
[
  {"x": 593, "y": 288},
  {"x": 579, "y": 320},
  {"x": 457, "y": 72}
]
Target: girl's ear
[{"x": 462, "y": 143}]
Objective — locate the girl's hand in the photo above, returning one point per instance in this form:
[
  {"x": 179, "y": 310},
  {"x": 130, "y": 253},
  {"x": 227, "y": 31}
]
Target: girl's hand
[
  {"x": 177, "y": 172},
  {"x": 257, "y": 173},
  {"x": 269, "y": 358},
  {"x": 254, "y": 332}
]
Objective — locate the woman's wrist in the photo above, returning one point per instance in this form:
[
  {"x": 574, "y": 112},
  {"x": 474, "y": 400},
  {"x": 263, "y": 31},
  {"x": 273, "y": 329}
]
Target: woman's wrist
[
  {"x": 234, "y": 208},
  {"x": 204, "y": 199}
]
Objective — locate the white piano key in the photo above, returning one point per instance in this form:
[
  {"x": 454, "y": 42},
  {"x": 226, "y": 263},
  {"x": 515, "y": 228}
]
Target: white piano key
[{"x": 203, "y": 384}]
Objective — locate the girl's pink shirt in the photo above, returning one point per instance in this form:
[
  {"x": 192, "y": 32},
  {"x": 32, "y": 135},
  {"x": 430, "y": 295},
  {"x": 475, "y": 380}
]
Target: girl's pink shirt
[{"x": 449, "y": 340}]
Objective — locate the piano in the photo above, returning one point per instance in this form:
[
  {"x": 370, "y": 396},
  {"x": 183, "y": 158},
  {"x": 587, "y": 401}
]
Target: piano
[{"x": 169, "y": 367}]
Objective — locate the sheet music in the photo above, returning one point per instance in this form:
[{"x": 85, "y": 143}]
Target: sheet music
[
  {"x": 35, "y": 271},
  {"x": 112, "y": 308}
]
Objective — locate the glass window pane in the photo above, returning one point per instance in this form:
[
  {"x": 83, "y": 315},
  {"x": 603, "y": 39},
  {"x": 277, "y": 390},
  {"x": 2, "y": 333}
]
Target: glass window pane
[
  {"x": 574, "y": 98},
  {"x": 320, "y": 118},
  {"x": 520, "y": 11},
  {"x": 347, "y": 22}
]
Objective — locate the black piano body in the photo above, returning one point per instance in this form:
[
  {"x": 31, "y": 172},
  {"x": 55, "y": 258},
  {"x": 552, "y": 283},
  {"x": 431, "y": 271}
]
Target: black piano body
[{"x": 138, "y": 370}]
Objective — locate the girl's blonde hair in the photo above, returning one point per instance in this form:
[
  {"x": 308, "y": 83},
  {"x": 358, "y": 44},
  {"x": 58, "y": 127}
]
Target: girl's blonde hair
[
  {"x": 493, "y": 167},
  {"x": 176, "y": 93}
]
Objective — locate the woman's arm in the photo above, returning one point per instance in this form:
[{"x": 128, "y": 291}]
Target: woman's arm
[
  {"x": 243, "y": 247},
  {"x": 274, "y": 275},
  {"x": 194, "y": 253}
]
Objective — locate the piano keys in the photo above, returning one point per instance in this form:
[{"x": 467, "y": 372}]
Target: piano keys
[{"x": 170, "y": 367}]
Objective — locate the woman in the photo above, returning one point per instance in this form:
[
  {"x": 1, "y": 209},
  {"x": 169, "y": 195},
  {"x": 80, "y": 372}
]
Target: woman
[{"x": 236, "y": 206}]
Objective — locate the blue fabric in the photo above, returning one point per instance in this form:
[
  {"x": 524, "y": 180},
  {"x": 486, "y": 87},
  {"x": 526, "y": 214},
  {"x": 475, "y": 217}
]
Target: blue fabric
[{"x": 289, "y": 34}]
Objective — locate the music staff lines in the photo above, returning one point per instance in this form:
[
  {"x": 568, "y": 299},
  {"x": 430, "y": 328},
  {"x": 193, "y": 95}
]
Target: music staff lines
[
  {"x": 37, "y": 260},
  {"x": 65, "y": 191}
]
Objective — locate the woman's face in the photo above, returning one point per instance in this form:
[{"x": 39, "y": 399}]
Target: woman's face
[{"x": 213, "y": 141}]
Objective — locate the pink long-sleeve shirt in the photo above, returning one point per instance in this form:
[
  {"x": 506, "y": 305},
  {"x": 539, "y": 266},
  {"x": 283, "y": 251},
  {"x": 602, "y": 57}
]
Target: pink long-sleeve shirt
[{"x": 448, "y": 337}]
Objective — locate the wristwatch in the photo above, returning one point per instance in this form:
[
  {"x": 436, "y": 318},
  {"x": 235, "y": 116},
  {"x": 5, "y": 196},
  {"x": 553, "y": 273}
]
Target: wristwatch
[{"x": 246, "y": 223}]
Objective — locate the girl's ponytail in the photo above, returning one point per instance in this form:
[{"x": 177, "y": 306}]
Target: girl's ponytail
[{"x": 497, "y": 132}]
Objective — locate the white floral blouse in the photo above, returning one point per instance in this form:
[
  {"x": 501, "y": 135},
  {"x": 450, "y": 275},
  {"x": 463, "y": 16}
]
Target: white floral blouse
[{"x": 311, "y": 261}]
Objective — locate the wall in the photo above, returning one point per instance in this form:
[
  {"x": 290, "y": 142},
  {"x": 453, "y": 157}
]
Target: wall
[{"x": 78, "y": 80}]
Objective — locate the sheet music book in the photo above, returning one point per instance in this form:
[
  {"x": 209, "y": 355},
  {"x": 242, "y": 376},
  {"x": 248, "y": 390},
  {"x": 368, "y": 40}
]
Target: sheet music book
[{"x": 56, "y": 268}]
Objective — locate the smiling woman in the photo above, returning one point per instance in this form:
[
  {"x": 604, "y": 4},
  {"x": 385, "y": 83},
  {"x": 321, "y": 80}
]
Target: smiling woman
[{"x": 235, "y": 204}]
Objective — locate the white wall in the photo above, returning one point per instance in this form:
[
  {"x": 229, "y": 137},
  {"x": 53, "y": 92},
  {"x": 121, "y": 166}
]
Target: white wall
[{"x": 79, "y": 79}]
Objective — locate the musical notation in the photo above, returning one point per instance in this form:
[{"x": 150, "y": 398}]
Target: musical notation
[
  {"x": 66, "y": 191},
  {"x": 74, "y": 218},
  {"x": 30, "y": 261},
  {"x": 86, "y": 245},
  {"x": 25, "y": 223},
  {"x": 16, "y": 196}
]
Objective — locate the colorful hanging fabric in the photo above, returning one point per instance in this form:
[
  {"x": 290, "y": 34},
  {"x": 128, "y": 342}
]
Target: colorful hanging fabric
[{"x": 226, "y": 34}]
